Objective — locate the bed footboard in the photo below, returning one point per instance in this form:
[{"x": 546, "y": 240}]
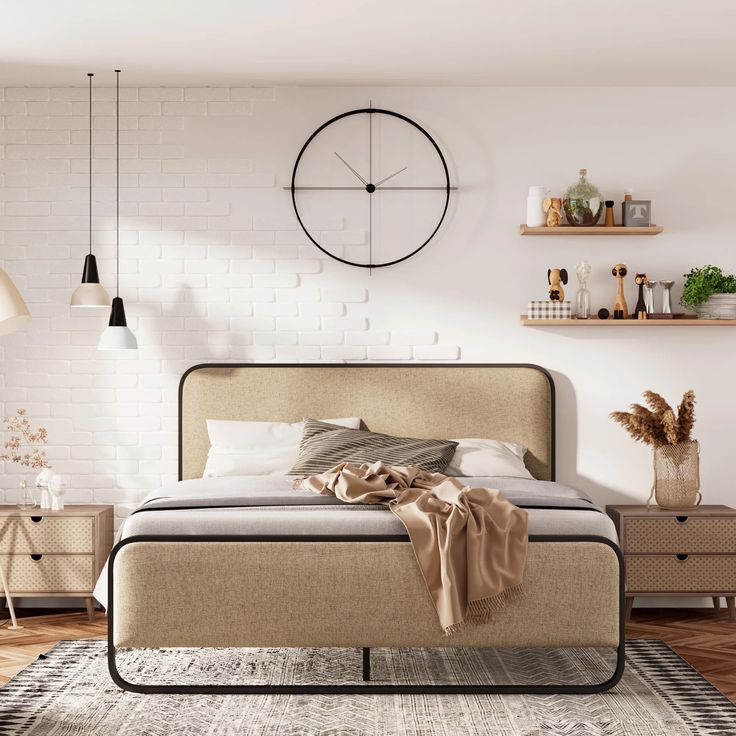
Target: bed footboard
[{"x": 318, "y": 591}]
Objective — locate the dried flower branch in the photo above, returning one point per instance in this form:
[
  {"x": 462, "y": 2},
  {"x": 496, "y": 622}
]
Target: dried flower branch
[
  {"x": 686, "y": 416},
  {"x": 658, "y": 404},
  {"x": 659, "y": 426},
  {"x": 22, "y": 434}
]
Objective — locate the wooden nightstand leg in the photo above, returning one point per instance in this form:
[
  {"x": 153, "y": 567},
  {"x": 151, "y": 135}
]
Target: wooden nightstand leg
[
  {"x": 629, "y": 606},
  {"x": 90, "y": 608},
  {"x": 716, "y": 602},
  {"x": 731, "y": 603}
]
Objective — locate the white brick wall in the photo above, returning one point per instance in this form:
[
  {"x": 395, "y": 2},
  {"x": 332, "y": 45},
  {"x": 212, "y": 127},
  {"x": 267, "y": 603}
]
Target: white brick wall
[{"x": 204, "y": 275}]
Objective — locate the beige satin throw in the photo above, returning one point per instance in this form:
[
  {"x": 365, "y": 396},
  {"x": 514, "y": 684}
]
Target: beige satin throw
[{"x": 470, "y": 543}]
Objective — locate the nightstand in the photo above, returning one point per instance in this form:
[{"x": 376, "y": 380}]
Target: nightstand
[
  {"x": 678, "y": 553},
  {"x": 55, "y": 554}
]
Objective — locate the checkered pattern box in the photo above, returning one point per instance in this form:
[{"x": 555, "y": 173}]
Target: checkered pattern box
[{"x": 549, "y": 310}]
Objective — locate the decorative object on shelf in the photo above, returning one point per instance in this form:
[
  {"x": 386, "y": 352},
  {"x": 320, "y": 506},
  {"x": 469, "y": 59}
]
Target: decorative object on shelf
[
  {"x": 628, "y": 195},
  {"x": 553, "y": 209},
  {"x": 620, "y": 309},
  {"x": 118, "y": 335},
  {"x": 676, "y": 454},
  {"x": 555, "y": 278},
  {"x": 710, "y": 293},
  {"x": 649, "y": 288},
  {"x": 640, "y": 311},
  {"x": 603, "y": 313},
  {"x": 22, "y": 448},
  {"x": 14, "y": 312},
  {"x": 535, "y": 212},
  {"x": 539, "y": 309},
  {"x": 425, "y": 185},
  {"x": 58, "y": 486},
  {"x": 90, "y": 293},
  {"x": 582, "y": 296},
  {"x": 666, "y": 296},
  {"x": 583, "y": 202},
  {"x": 608, "y": 221},
  {"x": 42, "y": 483},
  {"x": 636, "y": 213},
  {"x": 27, "y": 499}
]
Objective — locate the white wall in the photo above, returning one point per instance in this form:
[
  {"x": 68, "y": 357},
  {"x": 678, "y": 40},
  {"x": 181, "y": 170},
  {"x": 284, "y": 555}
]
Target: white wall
[{"x": 214, "y": 268}]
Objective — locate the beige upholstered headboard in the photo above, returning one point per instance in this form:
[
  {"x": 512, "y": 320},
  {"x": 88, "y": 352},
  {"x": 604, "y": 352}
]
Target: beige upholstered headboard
[{"x": 500, "y": 401}]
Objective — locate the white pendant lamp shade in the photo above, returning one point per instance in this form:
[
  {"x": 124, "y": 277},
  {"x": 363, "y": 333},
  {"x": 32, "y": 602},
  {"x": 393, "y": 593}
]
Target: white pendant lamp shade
[
  {"x": 117, "y": 338},
  {"x": 13, "y": 310},
  {"x": 117, "y": 335},
  {"x": 90, "y": 293}
]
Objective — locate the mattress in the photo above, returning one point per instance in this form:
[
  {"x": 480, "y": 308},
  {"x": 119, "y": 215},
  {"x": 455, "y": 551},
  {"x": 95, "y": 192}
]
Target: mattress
[{"x": 270, "y": 505}]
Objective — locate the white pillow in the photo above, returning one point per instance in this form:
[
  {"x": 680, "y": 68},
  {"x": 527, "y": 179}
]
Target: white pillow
[
  {"x": 256, "y": 448},
  {"x": 479, "y": 458}
]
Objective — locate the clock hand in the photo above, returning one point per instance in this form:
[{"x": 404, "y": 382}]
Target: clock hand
[
  {"x": 378, "y": 183},
  {"x": 351, "y": 168}
]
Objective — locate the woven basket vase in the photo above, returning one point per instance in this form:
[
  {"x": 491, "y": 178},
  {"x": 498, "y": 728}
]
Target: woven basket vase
[{"x": 677, "y": 476}]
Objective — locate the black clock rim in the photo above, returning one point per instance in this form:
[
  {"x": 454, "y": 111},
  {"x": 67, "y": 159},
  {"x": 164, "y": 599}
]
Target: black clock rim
[{"x": 381, "y": 111}]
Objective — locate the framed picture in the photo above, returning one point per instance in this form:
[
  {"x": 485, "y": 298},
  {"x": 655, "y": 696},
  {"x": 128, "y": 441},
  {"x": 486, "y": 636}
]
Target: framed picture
[{"x": 637, "y": 213}]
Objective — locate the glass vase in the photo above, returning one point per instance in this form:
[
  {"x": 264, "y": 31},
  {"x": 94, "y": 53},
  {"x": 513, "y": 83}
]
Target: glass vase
[
  {"x": 582, "y": 303},
  {"x": 27, "y": 501}
]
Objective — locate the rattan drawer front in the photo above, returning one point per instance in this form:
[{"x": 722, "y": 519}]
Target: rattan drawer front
[
  {"x": 20, "y": 535},
  {"x": 667, "y": 573},
  {"x": 49, "y": 574},
  {"x": 692, "y": 534}
]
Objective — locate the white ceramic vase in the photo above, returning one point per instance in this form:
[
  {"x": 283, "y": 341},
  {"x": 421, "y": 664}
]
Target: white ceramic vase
[{"x": 535, "y": 216}]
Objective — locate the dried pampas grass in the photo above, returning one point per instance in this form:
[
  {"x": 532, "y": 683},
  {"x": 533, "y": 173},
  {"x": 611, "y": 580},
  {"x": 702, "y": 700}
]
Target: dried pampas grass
[{"x": 659, "y": 425}]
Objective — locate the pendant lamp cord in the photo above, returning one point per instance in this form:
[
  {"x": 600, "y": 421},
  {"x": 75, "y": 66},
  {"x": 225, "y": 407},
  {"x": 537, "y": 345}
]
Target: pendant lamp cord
[
  {"x": 117, "y": 182},
  {"x": 90, "y": 162}
]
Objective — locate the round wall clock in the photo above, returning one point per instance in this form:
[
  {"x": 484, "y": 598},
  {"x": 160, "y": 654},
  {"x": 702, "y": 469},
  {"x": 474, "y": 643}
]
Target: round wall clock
[{"x": 370, "y": 188}]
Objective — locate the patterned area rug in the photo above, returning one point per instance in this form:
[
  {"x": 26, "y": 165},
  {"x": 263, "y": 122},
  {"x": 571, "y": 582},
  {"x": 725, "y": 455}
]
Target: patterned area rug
[{"x": 69, "y": 693}]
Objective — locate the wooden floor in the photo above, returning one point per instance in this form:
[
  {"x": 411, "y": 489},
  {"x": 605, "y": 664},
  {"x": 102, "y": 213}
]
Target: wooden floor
[{"x": 705, "y": 638}]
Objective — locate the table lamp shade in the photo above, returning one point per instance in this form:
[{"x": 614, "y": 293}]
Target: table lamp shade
[{"x": 14, "y": 313}]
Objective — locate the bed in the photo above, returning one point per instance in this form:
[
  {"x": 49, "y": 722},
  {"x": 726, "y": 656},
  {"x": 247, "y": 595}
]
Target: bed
[{"x": 197, "y": 568}]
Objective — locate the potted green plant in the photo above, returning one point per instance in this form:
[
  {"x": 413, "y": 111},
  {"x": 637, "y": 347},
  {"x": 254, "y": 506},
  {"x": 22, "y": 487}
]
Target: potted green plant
[{"x": 710, "y": 293}]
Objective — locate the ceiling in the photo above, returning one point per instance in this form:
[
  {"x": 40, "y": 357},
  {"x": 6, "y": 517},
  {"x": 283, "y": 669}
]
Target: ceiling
[{"x": 370, "y": 42}]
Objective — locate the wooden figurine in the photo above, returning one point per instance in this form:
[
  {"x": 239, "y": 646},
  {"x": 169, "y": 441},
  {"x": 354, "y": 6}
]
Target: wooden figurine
[
  {"x": 620, "y": 310},
  {"x": 553, "y": 208},
  {"x": 554, "y": 277},
  {"x": 640, "y": 312}
]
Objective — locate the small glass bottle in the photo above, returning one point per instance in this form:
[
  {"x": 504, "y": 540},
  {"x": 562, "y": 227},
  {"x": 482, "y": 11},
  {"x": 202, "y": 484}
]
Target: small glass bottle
[{"x": 582, "y": 296}]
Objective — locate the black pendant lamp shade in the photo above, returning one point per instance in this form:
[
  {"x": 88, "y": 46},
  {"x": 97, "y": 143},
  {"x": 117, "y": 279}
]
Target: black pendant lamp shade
[
  {"x": 117, "y": 313},
  {"x": 90, "y": 293},
  {"x": 117, "y": 335}
]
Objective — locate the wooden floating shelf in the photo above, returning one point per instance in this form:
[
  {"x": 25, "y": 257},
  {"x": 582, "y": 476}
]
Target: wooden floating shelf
[
  {"x": 564, "y": 230},
  {"x": 610, "y": 322}
]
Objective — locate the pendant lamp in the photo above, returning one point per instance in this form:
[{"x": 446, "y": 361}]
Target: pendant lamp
[
  {"x": 13, "y": 310},
  {"x": 90, "y": 293},
  {"x": 117, "y": 336}
]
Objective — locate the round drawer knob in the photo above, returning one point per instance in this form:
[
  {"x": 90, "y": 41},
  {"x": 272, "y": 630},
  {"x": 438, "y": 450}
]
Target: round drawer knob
[
  {"x": 682, "y": 557},
  {"x": 36, "y": 519},
  {"x": 36, "y": 558},
  {"x": 681, "y": 519}
]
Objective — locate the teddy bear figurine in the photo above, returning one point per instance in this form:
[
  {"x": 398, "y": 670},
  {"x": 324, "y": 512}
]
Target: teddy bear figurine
[{"x": 552, "y": 206}]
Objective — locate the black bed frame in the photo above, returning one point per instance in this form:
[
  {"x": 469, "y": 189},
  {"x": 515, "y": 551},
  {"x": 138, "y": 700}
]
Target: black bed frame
[{"x": 369, "y": 687}]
